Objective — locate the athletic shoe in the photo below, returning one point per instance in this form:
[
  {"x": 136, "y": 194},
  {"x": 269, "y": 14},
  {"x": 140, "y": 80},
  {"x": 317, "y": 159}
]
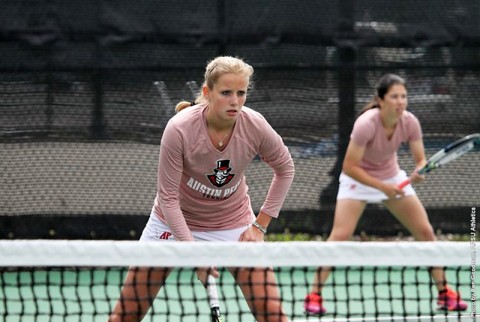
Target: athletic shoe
[
  {"x": 449, "y": 300},
  {"x": 313, "y": 304}
]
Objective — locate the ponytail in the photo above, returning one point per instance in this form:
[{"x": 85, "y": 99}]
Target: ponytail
[
  {"x": 183, "y": 104},
  {"x": 371, "y": 105}
]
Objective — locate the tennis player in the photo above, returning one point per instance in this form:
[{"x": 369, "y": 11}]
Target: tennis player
[
  {"x": 371, "y": 174},
  {"x": 202, "y": 191}
]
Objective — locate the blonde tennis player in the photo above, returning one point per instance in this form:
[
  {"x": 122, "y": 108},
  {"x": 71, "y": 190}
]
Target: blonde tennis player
[
  {"x": 202, "y": 193},
  {"x": 371, "y": 174}
]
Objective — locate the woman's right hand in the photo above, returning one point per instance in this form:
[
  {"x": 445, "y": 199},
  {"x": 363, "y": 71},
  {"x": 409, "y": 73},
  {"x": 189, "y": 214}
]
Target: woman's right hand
[
  {"x": 392, "y": 191},
  {"x": 203, "y": 272}
]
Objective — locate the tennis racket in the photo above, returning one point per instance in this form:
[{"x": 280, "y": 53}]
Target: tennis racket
[
  {"x": 213, "y": 299},
  {"x": 447, "y": 154}
]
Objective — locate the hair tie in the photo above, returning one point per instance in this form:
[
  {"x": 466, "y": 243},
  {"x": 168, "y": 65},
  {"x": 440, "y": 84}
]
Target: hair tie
[{"x": 192, "y": 103}]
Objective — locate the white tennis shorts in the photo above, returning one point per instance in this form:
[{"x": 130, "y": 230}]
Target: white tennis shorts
[
  {"x": 352, "y": 189},
  {"x": 155, "y": 230}
]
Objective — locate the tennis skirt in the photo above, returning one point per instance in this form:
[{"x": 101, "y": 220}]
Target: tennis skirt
[
  {"x": 352, "y": 189},
  {"x": 156, "y": 230}
]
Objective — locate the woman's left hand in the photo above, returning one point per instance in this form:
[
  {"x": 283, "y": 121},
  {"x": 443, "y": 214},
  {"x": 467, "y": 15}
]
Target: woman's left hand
[
  {"x": 415, "y": 177},
  {"x": 252, "y": 234}
]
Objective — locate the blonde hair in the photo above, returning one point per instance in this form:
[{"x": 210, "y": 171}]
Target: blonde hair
[{"x": 216, "y": 68}]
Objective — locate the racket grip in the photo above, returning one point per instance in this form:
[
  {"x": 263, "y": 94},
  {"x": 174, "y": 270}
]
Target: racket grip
[
  {"x": 404, "y": 184},
  {"x": 212, "y": 292}
]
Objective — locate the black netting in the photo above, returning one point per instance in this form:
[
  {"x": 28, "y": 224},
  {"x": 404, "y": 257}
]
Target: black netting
[{"x": 361, "y": 294}]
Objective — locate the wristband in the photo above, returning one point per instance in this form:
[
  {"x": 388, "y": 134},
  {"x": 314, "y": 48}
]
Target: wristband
[{"x": 260, "y": 227}]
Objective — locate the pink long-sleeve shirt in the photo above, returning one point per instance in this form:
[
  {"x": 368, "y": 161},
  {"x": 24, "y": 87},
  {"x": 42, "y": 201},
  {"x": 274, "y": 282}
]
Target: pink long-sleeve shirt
[
  {"x": 380, "y": 157},
  {"x": 200, "y": 188}
]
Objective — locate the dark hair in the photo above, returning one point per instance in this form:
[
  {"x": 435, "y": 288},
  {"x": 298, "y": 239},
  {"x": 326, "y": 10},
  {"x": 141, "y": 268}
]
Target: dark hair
[{"x": 382, "y": 87}]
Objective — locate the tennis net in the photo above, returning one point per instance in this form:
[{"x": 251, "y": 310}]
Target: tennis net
[{"x": 58, "y": 280}]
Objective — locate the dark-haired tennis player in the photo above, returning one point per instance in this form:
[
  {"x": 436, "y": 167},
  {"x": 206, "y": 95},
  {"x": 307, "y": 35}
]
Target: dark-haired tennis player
[
  {"x": 371, "y": 173},
  {"x": 202, "y": 193}
]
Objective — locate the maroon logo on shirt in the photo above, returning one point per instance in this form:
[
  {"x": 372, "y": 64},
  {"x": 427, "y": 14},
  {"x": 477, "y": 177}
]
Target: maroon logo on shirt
[
  {"x": 222, "y": 174},
  {"x": 165, "y": 235}
]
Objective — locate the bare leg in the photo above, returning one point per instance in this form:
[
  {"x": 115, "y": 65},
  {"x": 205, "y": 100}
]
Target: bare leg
[
  {"x": 410, "y": 213},
  {"x": 347, "y": 214},
  {"x": 140, "y": 288},
  {"x": 261, "y": 292}
]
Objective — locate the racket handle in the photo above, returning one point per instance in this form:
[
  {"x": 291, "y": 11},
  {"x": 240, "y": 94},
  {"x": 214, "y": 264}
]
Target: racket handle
[
  {"x": 213, "y": 299},
  {"x": 404, "y": 184},
  {"x": 212, "y": 292}
]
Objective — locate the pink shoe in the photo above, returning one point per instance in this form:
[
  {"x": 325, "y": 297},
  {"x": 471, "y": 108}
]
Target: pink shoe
[
  {"x": 313, "y": 304},
  {"x": 449, "y": 300}
]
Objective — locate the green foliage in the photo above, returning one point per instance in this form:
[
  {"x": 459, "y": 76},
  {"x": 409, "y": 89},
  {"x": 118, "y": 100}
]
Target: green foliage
[{"x": 288, "y": 236}]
